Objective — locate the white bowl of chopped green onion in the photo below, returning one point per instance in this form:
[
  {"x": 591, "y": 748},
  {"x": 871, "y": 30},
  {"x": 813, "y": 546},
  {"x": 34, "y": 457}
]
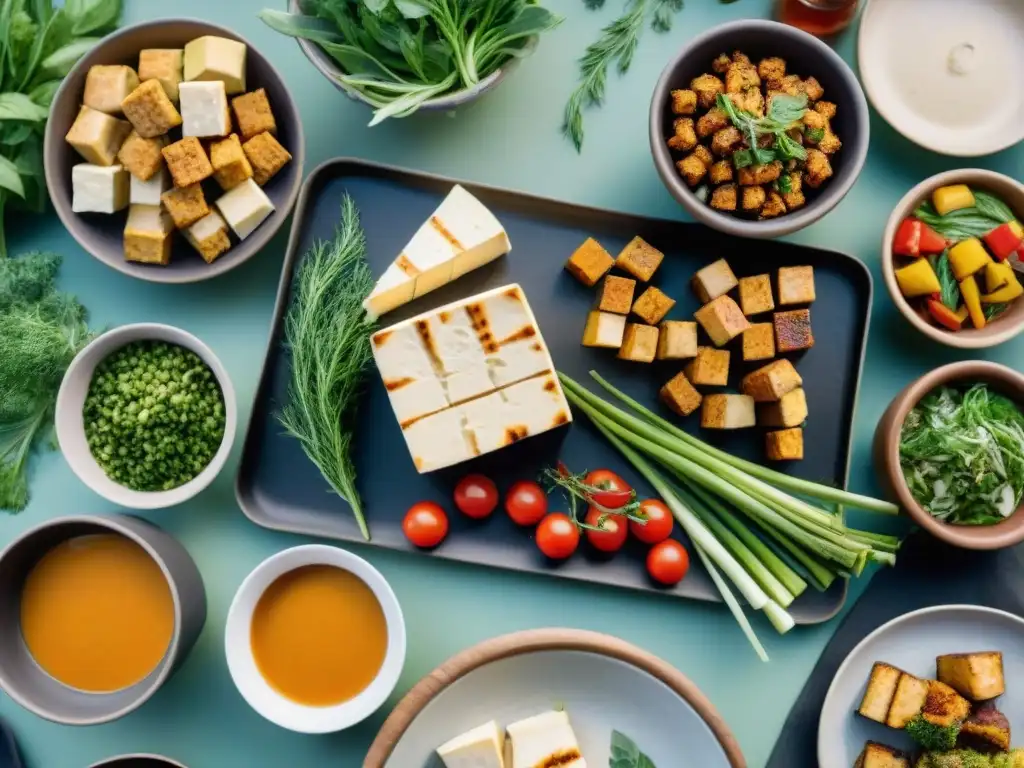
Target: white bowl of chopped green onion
[{"x": 146, "y": 416}]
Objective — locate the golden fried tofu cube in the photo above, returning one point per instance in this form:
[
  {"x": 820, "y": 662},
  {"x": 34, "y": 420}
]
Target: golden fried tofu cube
[
  {"x": 652, "y": 305},
  {"x": 684, "y": 101},
  {"x": 774, "y": 206},
  {"x": 187, "y": 161},
  {"x": 814, "y": 121},
  {"x": 740, "y": 76},
  {"x": 230, "y": 165},
  {"x": 616, "y": 294},
  {"x": 796, "y": 285},
  {"x": 710, "y": 368},
  {"x": 266, "y": 155},
  {"x": 877, "y": 755},
  {"x": 978, "y": 676},
  {"x": 788, "y": 411},
  {"x": 640, "y": 343},
  {"x": 722, "y": 320},
  {"x": 692, "y": 169},
  {"x": 818, "y": 169},
  {"x": 107, "y": 85},
  {"x": 785, "y": 444},
  {"x": 772, "y": 68},
  {"x": 714, "y": 280},
  {"x": 830, "y": 144},
  {"x": 908, "y": 702},
  {"x": 677, "y": 340},
  {"x": 756, "y": 294},
  {"x": 150, "y": 111},
  {"x": 725, "y": 198},
  {"x": 750, "y": 100},
  {"x": 186, "y": 205},
  {"x": 142, "y": 157},
  {"x": 680, "y": 395},
  {"x": 640, "y": 259},
  {"x": 253, "y": 113},
  {"x": 753, "y": 198},
  {"x": 880, "y": 691},
  {"x": 147, "y": 235},
  {"x": 771, "y": 382},
  {"x": 727, "y": 412},
  {"x": 721, "y": 63},
  {"x": 944, "y": 707},
  {"x": 714, "y": 120},
  {"x": 707, "y": 87},
  {"x": 604, "y": 330},
  {"x": 721, "y": 172},
  {"x": 739, "y": 57},
  {"x": 209, "y": 236},
  {"x": 793, "y": 330},
  {"x": 704, "y": 155},
  {"x": 826, "y": 108},
  {"x": 794, "y": 198},
  {"x": 589, "y": 263},
  {"x": 756, "y": 175},
  {"x": 813, "y": 89},
  {"x": 165, "y": 65},
  {"x": 685, "y": 137},
  {"x": 759, "y": 342},
  {"x": 726, "y": 141},
  {"x": 97, "y": 136}
]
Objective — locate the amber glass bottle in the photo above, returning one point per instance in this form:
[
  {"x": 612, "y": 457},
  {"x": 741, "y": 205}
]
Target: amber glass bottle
[{"x": 819, "y": 17}]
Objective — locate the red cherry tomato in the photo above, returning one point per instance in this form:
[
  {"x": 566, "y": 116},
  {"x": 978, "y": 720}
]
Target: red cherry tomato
[
  {"x": 425, "y": 524},
  {"x": 557, "y": 536},
  {"x": 668, "y": 562},
  {"x": 526, "y": 503},
  {"x": 659, "y": 522},
  {"x": 476, "y": 496},
  {"x": 617, "y": 492},
  {"x": 613, "y": 533}
]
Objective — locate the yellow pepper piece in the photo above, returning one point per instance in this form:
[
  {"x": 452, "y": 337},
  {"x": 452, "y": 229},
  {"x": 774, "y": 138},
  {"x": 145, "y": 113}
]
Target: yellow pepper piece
[
  {"x": 1009, "y": 292},
  {"x": 997, "y": 274},
  {"x": 952, "y": 198},
  {"x": 967, "y": 257},
  {"x": 972, "y": 299},
  {"x": 962, "y": 313},
  {"x": 918, "y": 279},
  {"x": 1017, "y": 229}
]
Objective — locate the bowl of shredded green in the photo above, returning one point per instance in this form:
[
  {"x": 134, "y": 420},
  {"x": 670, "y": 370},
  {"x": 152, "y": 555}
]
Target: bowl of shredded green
[
  {"x": 950, "y": 450},
  {"x": 146, "y": 416}
]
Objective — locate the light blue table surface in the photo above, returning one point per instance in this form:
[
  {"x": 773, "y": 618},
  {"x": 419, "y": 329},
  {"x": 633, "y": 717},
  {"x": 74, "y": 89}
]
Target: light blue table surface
[{"x": 510, "y": 139}]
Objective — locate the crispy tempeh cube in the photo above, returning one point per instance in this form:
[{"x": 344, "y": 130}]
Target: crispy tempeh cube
[
  {"x": 230, "y": 165},
  {"x": 640, "y": 343},
  {"x": 616, "y": 294},
  {"x": 684, "y": 101},
  {"x": 722, "y": 320},
  {"x": 652, "y": 305},
  {"x": 604, "y": 330},
  {"x": 714, "y": 280},
  {"x": 640, "y": 259},
  {"x": 703, "y": 154},
  {"x": 727, "y": 412},
  {"x": 685, "y": 137},
  {"x": 880, "y": 691},
  {"x": 590, "y": 262},
  {"x": 710, "y": 368},
  {"x": 677, "y": 340},
  {"x": 785, "y": 444},
  {"x": 978, "y": 676},
  {"x": 773, "y": 207},
  {"x": 793, "y": 330},
  {"x": 796, "y": 285},
  {"x": 756, "y": 294},
  {"x": 795, "y": 197},
  {"x": 788, "y": 411},
  {"x": 818, "y": 169},
  {"x": 759, "y": 342},
  {"x": 680, "y": 396},
  {"x": 771, "y": 381}
]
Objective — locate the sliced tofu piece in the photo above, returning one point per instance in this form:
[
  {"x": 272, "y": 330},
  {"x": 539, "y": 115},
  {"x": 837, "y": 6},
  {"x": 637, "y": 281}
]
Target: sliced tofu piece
[
  {"x": 590, "y": 262},
  {"x": 482, "y": 747},
  {"x": 545, "y": 740},
  {"x": 793, "y": 330},
  {"x": 204, "y": 109},
  {"x": 756, "y": 294},
  {"x": 771, "y": 382},
  {"x": 907, "y": 703},
  {"x": 714, "y": 280},
  {"x": 680, "y": 395},
  {"x": 165, "y": 65},
  {"x": 944, "y": 706},
  {"x": 710, "y": 368},
  {"x": 640, "y": 343},
  {"x": 604, "y": 330},
  {"x": 677, "y": 340},
  {"x": 209, "y": 236},
  {"x": 785, "y": 444},
  {"x": 97, "y": 136},
  {"x": 877, "y": 755},
  {"x": 107, "y": 85},
  {"x": 99, "y": 189},
  {"x": 440, "y": 440},
  {"x": 722, "y": 320},
  {"x": 759, "y": 342},
  {"x": 788, "y": 411},
  {"x": 245, "y": 207},
  {"x": 727, "y": 412},
  {"x": 796, "y": 285},
  {"x": 409, "y": 373},
  {"x": 616, "y": 294},
  {"x": 216, "y": 58},
  {"x": 978, "y": 676},
  {"x": 148, "y": 192},
  {"x": 522, "y": 410},
  {"x": 460, "y": 236},
  {"x": 880, "y": 692},
  {"x": 147, "y": 235}
]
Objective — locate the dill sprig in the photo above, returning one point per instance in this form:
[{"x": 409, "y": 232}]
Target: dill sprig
[
  {"x": 328, "y": 336},
  {"x": 662, "y": 13}
]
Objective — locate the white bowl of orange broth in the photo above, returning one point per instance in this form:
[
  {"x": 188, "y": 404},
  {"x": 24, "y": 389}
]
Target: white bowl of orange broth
[
  {"x": 315, "y": 639},
  {"x": 100, "y": 611}
]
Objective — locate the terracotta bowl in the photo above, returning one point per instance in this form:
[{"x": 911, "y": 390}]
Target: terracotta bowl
[
  {"x": 887, "y": 460},
  {"x": 1004, "y": 327}
]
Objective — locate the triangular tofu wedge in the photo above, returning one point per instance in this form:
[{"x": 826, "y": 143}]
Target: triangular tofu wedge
[
  {"x": 545, "y": 739},
  {"x": 482, "y": 747},
  {"x": 459, "y": 237}
]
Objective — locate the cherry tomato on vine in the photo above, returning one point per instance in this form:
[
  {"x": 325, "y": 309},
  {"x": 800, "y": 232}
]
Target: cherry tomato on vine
[
  {"x": 613, "y": 533},
  {"x": 526, "y": 503},
  {"x": 476, "y": 496},
  {"x": 668, "y": 562},
  {"x": 617, "y": 492},
  {"x": 659, "y": 522},
  {"x": 425, "y": 524},
  {"x": 557, "y": 536}
]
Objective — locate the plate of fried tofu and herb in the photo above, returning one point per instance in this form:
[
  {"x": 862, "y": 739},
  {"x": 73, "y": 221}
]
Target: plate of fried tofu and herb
[
  {"x": 937, "y": 688},
  {"x": 174, "y": 151}
]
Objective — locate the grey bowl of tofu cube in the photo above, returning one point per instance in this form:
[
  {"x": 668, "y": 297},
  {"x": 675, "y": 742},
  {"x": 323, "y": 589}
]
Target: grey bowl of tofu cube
[
  {"x": 174, "y": 151},
  {"x": 758, "y": 129}
]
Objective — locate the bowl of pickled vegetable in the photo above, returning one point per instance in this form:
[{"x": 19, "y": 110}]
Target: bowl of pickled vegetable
[
  {"x": 146, "y": 416},
  {"x": 950, "y": 451},
  {"x": 951, "y": 258}
]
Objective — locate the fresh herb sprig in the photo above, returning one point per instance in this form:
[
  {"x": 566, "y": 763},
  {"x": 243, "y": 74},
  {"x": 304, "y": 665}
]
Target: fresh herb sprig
[
  {"x": 784, "y": 113},
  {"x": 328, "y": 336},
  {"x": 577, "y": 490},
  {"x": 626, "y": 754},
  {"x": 987, "y": 213},
  {"x": 950, "y": 293}
]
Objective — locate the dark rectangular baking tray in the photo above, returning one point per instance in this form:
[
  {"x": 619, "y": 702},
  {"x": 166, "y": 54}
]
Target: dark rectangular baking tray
[{"x": 278, "y": 487}]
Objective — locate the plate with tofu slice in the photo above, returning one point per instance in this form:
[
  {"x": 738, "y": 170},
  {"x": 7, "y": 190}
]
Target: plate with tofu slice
[
  {"x": 483, "y": 296},
  {"x": 540, "y": 698},
  {"x": 183, "y": 117},
  {"x": 933, "y": 681}
]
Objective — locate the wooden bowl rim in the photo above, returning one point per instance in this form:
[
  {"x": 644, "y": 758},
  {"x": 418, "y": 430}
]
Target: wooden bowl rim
[{"x": 533, "y": 641}]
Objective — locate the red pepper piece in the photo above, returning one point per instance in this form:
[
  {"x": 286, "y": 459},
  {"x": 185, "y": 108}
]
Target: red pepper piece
[
  {"x": 931, "y": 241},
  {"x": 944, "y": 316},
  {"x": 908, "y": 238},
  {"x": 1005, "y": 240}
]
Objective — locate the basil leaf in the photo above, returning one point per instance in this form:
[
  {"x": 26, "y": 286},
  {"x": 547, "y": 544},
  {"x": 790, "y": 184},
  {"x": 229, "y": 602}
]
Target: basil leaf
[
  {"x": 92, "y": 15},
  {"x": 412, "y": 9},
  {"x": 18, "y": 106},
  {"x": 10, "y": 179},
  {"x": 60, "y": 62},
  {"x": 742, "y": 158},
  {"x": 786, "y": 109},
  {"x": 43, "y": 93},
  {"x": 298, "y": 25},
  {"x": 376, "y": 6},
  {"x": 626, "y": 754},
  {"x": 12, "y": 134}
]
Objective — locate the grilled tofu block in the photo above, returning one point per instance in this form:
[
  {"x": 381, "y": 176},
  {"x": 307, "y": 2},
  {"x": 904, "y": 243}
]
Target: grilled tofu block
[
  {"x": 759, "y": 342},
  {"x": 793, "y": 330},
  {"x": 589, "y": 263},
  {"x": 680, "y": 395},
  {"x": 789, "y": 411},
  {"x": 944, "y": 706},
  {"x": 727, "y": 412},
  {"x": 880, "y": 692},
  {"x": 652, "y": 306},
  {"x": 713, "y": 281},
  {"x": 756, "y": 294},
  {"x": 604, "y": 329},
  {"x": 978, "y": 676},
  {"x": 908, "y": 701},
  {"x": 640, "y": 259},
  {"x": 785, "y": 444},
  {"x": 722, "y": 320},
  {"x": 710, "y": 368},
  {"x": 770, "y": 382},
  {"x": 986, "y": 730},
  {"x": 877, "y": 755},
  {"x": 616, "y": 295},
  {"x": 639, "y": 344},
  {"x": 796, "y": 285},
  {"x": 677, "y": 340}
]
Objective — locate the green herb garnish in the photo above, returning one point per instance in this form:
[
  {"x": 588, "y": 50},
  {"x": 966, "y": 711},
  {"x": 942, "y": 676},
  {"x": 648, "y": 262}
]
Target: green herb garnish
[
  {"x": 784, "y": 113},
  {"x": 992, "y": 311},
  {"x": 784, "y": 184},
  {"x": 963, "y": 455},
  {"x": 626, "y": 754},
  {"x": 815, "y": 135},
  {"x": 328, "y": 336},
  {"x": 987, "y": 213}
]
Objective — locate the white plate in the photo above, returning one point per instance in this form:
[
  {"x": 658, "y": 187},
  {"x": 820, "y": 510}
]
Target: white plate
[
  {"x": 947, "y": 74},
  {"x": 912, "y": 642},
  {"x": 603, "y": 683}
]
